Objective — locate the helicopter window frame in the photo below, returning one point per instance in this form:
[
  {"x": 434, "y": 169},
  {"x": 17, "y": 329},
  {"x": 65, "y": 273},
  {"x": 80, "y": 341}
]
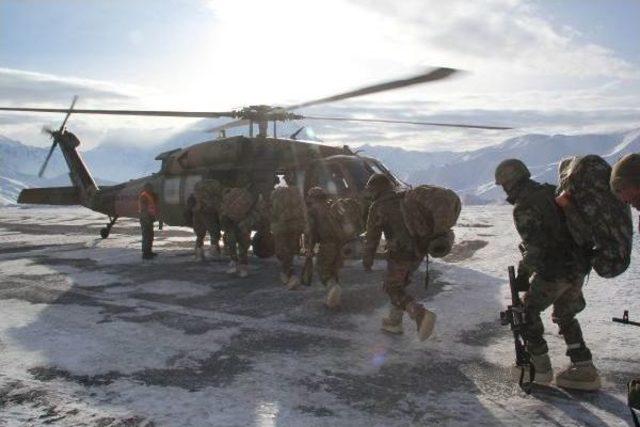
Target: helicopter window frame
[{"x": 171, "y": 190}]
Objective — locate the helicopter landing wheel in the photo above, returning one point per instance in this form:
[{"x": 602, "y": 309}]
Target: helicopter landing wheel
[{"x": 104, "y": 232}]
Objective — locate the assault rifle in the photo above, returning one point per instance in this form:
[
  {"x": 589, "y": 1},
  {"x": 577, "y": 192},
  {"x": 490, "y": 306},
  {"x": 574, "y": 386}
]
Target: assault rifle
[
  {"x": 632, "y": 392},
  {"x": 625, "y": 319},
  {"x": 514, "y": 317}
]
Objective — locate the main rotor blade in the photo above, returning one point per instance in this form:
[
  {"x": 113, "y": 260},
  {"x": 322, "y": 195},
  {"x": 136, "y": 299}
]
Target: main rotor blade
[
  {"x": 195, "y": 114},
  {"x": 405, "y": 122},
  {"x": 230, "y": 125},
  {"x": 431, "y": 76},
  {"x": 73, "y": 103},
  {"x": 46, "y": 161}
]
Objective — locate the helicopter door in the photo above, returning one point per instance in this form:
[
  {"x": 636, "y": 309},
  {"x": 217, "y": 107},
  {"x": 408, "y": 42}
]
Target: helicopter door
[
  {"x": 190, "y": 182},
  {"x": 170, "y": 209}
]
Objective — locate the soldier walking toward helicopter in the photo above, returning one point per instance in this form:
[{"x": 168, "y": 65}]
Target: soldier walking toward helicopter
[{"x": 403, "y": 258}]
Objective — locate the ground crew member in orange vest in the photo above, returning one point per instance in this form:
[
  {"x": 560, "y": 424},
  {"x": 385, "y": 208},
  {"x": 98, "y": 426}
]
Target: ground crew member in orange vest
[{"x": 148, "y": 211}]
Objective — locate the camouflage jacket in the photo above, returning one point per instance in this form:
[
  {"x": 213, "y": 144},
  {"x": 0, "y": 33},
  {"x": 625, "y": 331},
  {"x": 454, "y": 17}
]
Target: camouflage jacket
[
  {"x": 287, "y": 210},
  {"x": 385, "y": 216},
  {"x": 547, "y": 246},
  {"x": 319, "y": 224}
]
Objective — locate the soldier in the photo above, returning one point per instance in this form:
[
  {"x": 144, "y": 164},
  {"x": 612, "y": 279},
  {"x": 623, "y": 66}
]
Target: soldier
[
  {"x": 207, "y": 195},
  {"x": 148, "y": 211},
  {"x": 625, "y": 179},
  {"x": 554, "y": 267},
  {"x": 287, "y": 225},
  {"x": 625, "y": 183},
  {"x": 403, "y": 257},
  {"x": 321, "y": 230},
  {"x": 240, "y": 211}
]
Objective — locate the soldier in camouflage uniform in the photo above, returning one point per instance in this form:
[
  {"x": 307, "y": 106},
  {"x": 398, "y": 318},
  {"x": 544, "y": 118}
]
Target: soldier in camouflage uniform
[
  {"x": 403, "y": 257},
  {"x": 287, "y": 225},
  {"x": 237, "y": 234},
  {"x": 625, "y": 179},
  {"x": 206, "y": 217},
  {"x": 554, "y": 267},
  {"x": 625, "y": 183},
  {"x": 321, "y": 230}
]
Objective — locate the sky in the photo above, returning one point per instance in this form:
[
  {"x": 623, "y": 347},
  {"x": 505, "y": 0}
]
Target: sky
[{"x": 549, "y": 67}]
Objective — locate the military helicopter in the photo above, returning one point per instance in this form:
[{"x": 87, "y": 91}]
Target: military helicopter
[{"x": 339, "y": 170}]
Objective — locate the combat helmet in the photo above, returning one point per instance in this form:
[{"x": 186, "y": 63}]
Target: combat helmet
[
  {"x": 625, "y": 172},
  {"x": 378, "y": 183},
  {"x": 317, "y": 193},
  {"x": 510, "y": 172}
]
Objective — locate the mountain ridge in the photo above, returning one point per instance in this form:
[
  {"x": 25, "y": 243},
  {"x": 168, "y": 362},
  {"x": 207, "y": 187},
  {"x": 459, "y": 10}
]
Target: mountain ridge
[{"x": 470, "y": 173}]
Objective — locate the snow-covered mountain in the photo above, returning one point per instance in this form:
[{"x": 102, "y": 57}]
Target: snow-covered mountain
[
  {"x": 19, "y": 167},
  {"x": 469, "y": 173},
  {"x": 472, "y": 173}
]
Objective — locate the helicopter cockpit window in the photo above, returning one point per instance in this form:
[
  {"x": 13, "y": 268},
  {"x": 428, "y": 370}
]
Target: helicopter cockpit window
[
  {"x": 359, "y": 172},
  {"x": 331, "y": 178}
]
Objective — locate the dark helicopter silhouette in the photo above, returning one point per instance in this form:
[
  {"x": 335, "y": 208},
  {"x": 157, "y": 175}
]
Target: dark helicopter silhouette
[{"x": 260, "y": 158}]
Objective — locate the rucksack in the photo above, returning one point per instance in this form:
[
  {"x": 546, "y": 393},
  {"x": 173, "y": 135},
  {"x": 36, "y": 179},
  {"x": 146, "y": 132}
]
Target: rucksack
[
  {"x": 596, "y": 218},
  {"x": 208, "y": 194},
  {"x": 347, "y": 218},
  {"x": 237, "y": 203},
  {"x": 430, "y": 211},
  {"x": 287, "y": 209}
]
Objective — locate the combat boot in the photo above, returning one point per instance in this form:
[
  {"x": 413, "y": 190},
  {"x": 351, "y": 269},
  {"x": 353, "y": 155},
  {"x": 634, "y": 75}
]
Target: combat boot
[
  {"x": 425, "y": 319},
  {"x": 284, "y": 278},
  {"x": 579, "y": 376},
  {"x": 292, "y": 282},
  {"x": 393, "y": 322},
  {"x": 243, "y": 270},
  {"x": 199, "y": 254},
  {"x": 334, "y": 295},
  {"x": 233, "y": 268},
  {"x": 542, "y": 366}
]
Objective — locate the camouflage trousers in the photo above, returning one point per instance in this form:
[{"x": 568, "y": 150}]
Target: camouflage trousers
[
  {"x": 206, "y": 221},
  {"x": 329, "y": 261},
  {"x": 146, "y": 228},
  {"x": 397, "y": 279},
  {"x": 287, "y": 247},
  {"x": 567, "y": 300},
  {"x": 236, "y": 242}
]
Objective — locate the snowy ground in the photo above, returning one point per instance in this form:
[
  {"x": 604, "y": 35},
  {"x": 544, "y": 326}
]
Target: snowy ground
[{"x": 91, "y": 335}]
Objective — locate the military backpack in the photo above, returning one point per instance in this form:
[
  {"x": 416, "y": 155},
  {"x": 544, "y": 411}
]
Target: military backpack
[
  {"x": 429, "y": 212},
  {"x": 208, "y": 194},
  {"x": 287, "y": 210},
  {"x": 596, "y": 218},
  {"x": 237, "y": 202},
  {"x": 347, "y": 218}
]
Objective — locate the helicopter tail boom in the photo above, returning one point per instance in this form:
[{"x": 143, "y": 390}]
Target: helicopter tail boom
[{"x": 63, "y": 196}]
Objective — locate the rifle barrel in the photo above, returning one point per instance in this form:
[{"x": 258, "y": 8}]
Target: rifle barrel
[
  {"x": 515, "y": 298},
  {"x": 625, "y": 321}
]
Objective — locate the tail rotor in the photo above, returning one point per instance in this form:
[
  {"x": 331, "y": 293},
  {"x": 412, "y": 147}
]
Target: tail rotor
[{"x": 54, "y": 135}]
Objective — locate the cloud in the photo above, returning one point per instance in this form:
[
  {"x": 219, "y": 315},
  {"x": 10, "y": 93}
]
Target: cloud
[
  {"x": 18, "y": 87},
  {"x": 490, "y": 33}
]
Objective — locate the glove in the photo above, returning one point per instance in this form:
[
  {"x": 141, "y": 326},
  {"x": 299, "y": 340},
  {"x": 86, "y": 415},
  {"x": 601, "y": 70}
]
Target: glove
[{"x": 633, "y": 388}]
